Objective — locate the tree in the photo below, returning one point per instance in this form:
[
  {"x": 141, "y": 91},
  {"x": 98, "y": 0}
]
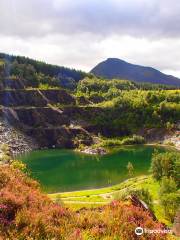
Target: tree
[
  {"x": 169, "y": 198},
  {"x": 167, "y": 186},
  {"x": 130, "y": 169},
  {"x": 165, "y": 165}
]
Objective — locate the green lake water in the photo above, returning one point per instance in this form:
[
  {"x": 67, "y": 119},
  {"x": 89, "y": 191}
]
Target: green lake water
[{"x": 67, "y": 170}]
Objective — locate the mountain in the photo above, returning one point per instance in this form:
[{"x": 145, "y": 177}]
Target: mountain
[{"x": 117, "y": 68}]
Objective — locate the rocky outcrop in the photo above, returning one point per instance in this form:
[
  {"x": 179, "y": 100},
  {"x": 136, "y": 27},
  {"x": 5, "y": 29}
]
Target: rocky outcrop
[
  {"x": 162, "y": 136},
  {"x": 94, "y": 151},
  {"x": 48, "y": 126},
  {"x": 141, "y": 204},
  {"x": 35, "y": 117},
  {"x": 60, "y": 137},
  {"x": 173, "y": 138},
  {"x": 153, "y": 134},
  {"x": 17, "y": 141}
]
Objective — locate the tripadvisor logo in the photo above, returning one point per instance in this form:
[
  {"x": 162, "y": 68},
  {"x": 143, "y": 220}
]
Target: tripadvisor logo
[{"x": 139, "y": 231}]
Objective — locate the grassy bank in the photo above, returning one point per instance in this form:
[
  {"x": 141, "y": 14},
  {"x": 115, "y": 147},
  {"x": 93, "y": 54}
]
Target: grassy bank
[{"x": 98, "y": 197}]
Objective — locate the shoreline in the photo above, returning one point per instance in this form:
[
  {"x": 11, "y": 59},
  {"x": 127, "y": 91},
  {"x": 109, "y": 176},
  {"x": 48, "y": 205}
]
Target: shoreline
[
  {"x": 108, "y": 189},
  {"x": 115, "y": 185},
  {"x": 104, "y": 151},
  {"x": 163, "y": 145}
]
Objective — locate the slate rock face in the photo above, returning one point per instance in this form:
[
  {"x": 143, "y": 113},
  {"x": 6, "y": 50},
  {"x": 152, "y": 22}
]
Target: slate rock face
[
  {"x": 35, "y": 117},
  {"x": 36, "y": 98},
  {"x": 12, "y": 84},
  {"x": 117, "y": 68},
  {"x": 42, "y": 116},
  {"x": 61, "y": 137}
]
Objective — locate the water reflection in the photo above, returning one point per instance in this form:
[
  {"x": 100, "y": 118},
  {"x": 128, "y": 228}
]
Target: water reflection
[{"x": 66, "y": 170}]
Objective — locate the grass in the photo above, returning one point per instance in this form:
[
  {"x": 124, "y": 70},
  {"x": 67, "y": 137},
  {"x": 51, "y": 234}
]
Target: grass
[
  {"x": 153, "y": 187},
  {"x": 129, "y": 140},
  {"x": 99, "y": 197},
  {"x": 76, "y": 206},
  {"x": 97, "y": 191}
]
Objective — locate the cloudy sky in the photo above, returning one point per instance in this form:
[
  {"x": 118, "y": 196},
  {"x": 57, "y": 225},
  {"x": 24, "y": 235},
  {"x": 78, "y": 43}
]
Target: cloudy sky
[{"x": 81, "y": 33}]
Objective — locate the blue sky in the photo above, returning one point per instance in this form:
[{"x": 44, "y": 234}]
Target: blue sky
[{"x": 81, "y": 33}]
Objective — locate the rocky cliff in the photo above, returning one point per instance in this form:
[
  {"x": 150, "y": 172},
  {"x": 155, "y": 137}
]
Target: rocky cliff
[
  {"x": 34, "y": 98},
  {"x": 46, "y": 116}
]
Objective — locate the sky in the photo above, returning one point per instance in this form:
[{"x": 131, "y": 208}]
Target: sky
[{"x": 81, "y": 33}]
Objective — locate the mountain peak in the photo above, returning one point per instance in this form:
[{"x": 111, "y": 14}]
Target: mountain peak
[
  {"x": 118, "y": 68},
  {"x": 114, "y": 60}
]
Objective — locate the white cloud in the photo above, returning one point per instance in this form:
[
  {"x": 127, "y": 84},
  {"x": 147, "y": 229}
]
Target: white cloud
[{"x": 82, "y": 33}]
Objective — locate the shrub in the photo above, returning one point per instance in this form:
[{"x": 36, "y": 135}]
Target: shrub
[
  {"x": 125, "y": 141},
  {"x": 6, "y": 154},
  {"x": 117, "y": 221},
  {"x": 26, "y": 213},
  {"x": 19, "y": 165},
  {"x": 133, "y": 140},
  {"x": 130, "y": 169},
  {"x": 111, "y": 142},
  {"x": 171, "y": 204}
]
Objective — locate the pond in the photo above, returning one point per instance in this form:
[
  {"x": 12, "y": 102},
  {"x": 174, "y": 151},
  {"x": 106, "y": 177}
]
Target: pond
[{"x": 67, "y": 170}]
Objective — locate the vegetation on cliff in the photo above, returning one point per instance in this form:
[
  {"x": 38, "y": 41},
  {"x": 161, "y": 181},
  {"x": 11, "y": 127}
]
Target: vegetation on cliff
[
  {"x": 127, "y": 108},
  {"x": 108, "y": 108}
]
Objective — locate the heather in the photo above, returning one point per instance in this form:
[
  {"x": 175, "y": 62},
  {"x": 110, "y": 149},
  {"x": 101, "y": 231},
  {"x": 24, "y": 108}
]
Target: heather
[{"x": 26, "y": 213}]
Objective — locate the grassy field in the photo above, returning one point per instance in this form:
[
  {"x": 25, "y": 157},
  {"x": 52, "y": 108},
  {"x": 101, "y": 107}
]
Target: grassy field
[
  {"x": 98, "y": 191},
  {"x": 99, "y": 197}
]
